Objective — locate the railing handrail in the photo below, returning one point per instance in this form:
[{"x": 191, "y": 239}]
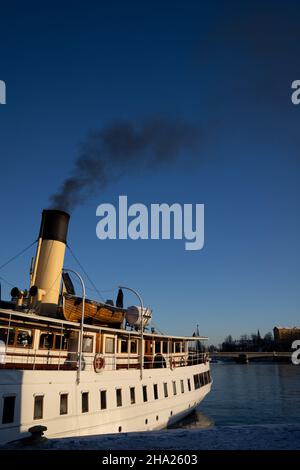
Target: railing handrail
[{"x": 113, "y": 361}]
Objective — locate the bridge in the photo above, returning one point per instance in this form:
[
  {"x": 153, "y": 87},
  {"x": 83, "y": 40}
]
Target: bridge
[{"x": 246, "y": 356}]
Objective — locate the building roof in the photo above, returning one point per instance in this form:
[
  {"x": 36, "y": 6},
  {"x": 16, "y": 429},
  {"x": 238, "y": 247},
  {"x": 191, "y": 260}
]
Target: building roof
[{"x": 287, "y": 327}]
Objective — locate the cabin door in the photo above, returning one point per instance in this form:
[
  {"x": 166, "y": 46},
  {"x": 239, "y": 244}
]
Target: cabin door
[
  {"x": 148, "y": 348},
  {"x": 148, "y": 355}
]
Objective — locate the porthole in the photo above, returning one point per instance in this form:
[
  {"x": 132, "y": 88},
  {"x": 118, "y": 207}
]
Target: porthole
[
  {"x": 171, "y": 413},
  {"x": 146, "y": 421},
  {"x": 120, "y": 429},
  {"x": 156, "y": 418}
]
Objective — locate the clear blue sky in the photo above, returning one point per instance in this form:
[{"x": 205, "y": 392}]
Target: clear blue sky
[{"x": 71, "y": 67}]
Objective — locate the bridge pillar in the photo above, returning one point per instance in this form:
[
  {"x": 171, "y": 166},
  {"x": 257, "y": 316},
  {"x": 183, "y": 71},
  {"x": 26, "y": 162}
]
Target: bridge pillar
[{"x": 242, "y": 359}]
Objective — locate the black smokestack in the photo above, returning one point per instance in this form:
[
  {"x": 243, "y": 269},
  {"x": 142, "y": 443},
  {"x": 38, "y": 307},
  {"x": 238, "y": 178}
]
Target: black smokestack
[{"x": 111, "y": 152}]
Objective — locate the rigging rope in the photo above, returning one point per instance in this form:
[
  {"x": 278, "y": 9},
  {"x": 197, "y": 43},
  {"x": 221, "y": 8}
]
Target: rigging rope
[
  {"x": 7, "y": 282},
  {"x": 88, "y": 277},
  {"x": 17, "y": 255},
  {"x": 156, "y": 327},
  {"x": 95, "y": 287}
]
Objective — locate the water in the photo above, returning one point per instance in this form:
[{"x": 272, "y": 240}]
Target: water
[{"x": 253, "y": 393}]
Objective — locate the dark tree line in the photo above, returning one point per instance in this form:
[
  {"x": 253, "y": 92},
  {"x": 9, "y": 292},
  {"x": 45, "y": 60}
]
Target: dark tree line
[{"x": 254, "y": 342}]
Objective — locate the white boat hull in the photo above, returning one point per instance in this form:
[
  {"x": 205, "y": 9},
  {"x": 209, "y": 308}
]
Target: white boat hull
[{"x": 141, "y": 416}]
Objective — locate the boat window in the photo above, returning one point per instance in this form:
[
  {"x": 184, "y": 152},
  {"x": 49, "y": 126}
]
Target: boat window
[
  {"x": 189, "y": 384},
  {"x": 201, "y": 380},
  {"x": 87, "y": 344},
  {"x": 8, "y": 409},
  {"x": 17, "y": 337},
  {"x": 119, "y": 396},
  {"x": 46, "y": 341},
  {"x": 145, "y": 395},
  {"x": 84, "y": 402},
  {"x": 60, "y": 342},
  {"x": 177, "y": 347},
  {"x": 182, "y": 386},
  {"x": 166, "y": 390},
  {"x": 24, "y": 339},
  {"x": 52, "y": 341},
  {"x": 124, "y": 346},
  {"x": 103, "y": 403},
  {"x": 132, "y": 395},
  {"x": 63, "y": 409},
  {"x": 4, "y": 334},
  {"x": 109, "y": 345},
  {"x": 165, "y": 347},
  {"x": 157, "y": 346},
  {"x": 133, "y": 346},
  {"x": 155, "y": 391},
  {"x": 196, "y": 381},
  {"x": 174, "y": 388},
  {"x": 159, "y": 361},
  {"x": 38, "y": 407}
]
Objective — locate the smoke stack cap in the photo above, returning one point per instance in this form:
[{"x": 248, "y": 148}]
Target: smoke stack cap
[{"x": 54, "y": 225}]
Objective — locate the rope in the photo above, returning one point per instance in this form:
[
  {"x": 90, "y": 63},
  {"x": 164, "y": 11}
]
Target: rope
[
  {"x": 76, "y": 281},
  {"x": 91, "y": 289},
  {"x": 88, "y": 277},
  {"x": 156, "y": 327},
  {"x": 7, "y": 282},
  {"x": 17, "y": 255}
]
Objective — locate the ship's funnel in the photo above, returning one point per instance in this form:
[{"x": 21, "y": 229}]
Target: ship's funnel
[{"x": 46, "y": 279}]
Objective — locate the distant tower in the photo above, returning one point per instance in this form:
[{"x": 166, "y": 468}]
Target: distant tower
[{"x": 258, "y": 336}]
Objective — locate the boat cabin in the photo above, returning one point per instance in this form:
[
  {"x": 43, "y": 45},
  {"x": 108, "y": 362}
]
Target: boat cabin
[{"x": 30, "y": 341}]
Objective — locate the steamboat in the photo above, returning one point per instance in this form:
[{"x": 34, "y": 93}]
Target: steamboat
[{"x": 83, "y": 367}]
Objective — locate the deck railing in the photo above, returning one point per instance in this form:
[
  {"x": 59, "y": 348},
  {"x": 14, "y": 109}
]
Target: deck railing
[{"x": 64, "y": 360}]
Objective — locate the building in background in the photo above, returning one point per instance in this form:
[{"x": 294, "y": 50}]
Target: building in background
[{"x": 284, "y": 337}]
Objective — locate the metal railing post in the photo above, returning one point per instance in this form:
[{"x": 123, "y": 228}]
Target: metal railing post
[
  {"x": 142, "y": 333},
  {"x": 80, "y": 342}
]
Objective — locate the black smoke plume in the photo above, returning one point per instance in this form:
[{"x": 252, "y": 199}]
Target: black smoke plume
[{"x": 112, "y": 152}]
